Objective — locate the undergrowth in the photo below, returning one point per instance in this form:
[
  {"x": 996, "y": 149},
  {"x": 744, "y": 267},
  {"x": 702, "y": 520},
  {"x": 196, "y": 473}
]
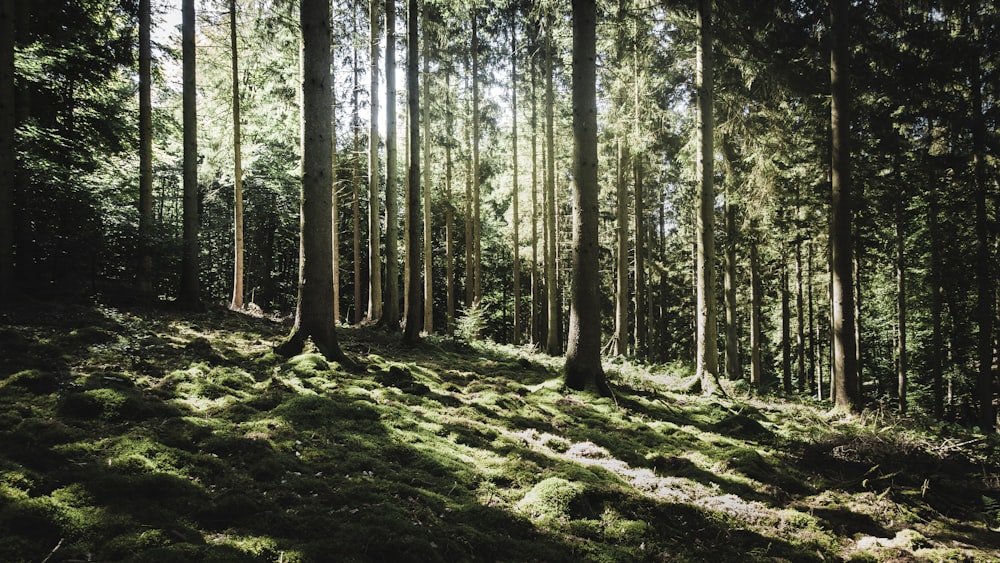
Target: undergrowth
[{"x": 144, "y": 435}]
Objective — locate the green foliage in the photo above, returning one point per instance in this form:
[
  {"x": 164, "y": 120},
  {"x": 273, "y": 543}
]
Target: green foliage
[{"x": 471, "y": 324}]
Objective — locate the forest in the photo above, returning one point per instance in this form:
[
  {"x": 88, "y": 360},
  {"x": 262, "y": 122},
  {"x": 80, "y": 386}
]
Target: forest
[{"x": 521, "y": 280}]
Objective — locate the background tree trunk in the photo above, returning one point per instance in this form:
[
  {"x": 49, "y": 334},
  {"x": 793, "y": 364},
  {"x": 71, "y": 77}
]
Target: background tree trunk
[
  {"x": 901, "y": 360},
  {"x": 390, "y": 313},
  {"x": 189, "y": 294},
  {"x": 374, "y": 208},
  {"x": 583, "y": 354},
  {"x": 515, "y": 212},
  {"x": 449, "y": 220},
  {"x": 356, "y": 176},
  {"x": 707, "y": 353},
  {"x": 477, "y": 289},
  {"x": 428, "y": 320},
  {"x": 553, "y": 344},
  {"x": 144, "y": 277},
  {"x": 411, "y": 334},
  {"x": 237, "y": 300},
  {"x": 621, "y": 335}
]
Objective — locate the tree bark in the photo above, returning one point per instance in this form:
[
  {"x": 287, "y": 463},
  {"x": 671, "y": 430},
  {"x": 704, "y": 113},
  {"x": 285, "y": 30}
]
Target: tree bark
[
  {"x": 477, "y": 291},
  {"x": 621, "y": 335},
  {"x": 786, "y": 331},
  {"x": 756, "y": 305},
  {"x": 733, "y": 370},
  {"x": 189, "y": 294},
  {"x": 356, "y": 177},
  {"x": 583, "y": 354},
  {"x": 536, "y": 282},
  {"x": 374, "y": 208},
  {"x": 449, "y": 219},
  {"x": 314, "y": 311},
  {"x": 552, "y": 341},
  {"x": 144, "y": 277},
  {"x": 707, "y": 353},
  {"x": 428, "y": 320},
  {"x": 901, "y": 360},
  {"x": 936, "y": 359},
  {"x": 984, "y": 281},
  {"x": 411, "y": 333},
  {"x": 237, "y": 300},
  {"x": 800, "y": 335},
  {"x": 516, "y": 215},
  {"x": 845, "y": 366},
  {"x": 390, "y": 313}
]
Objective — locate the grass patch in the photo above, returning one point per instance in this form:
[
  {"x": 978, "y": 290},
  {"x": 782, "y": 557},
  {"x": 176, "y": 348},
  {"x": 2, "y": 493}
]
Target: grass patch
[{"x": 141, "y": 435}]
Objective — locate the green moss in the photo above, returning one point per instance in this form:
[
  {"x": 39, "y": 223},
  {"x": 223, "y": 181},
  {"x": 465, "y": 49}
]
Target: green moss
[
  {"x": 550, "y": 499},
  {"x": 32, "y": 380}
]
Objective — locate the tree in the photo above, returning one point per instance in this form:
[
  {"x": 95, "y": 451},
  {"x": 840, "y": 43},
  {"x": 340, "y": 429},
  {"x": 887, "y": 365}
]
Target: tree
[
  {"x": 355, "y": 178},
  {"x": 411, "y": 333},
  {"x": 707, "y": 354},
  {"x": 314, "y": 309},
  {"x": 477, "y": 237},
  {"x": 552, "y": 342},
  {"x": 390, "y": 313},
  {"x": 845, "y": 368},
  {"x": 374, "y": 242},
  {"x": 984, "y": 281},
  {"x": 144, "y": 275},
  {"x": 515, "y": 212},
  {"x": 237, "y": 301},
  {"x": 428, "y": 320},
  {"x": 583, "y": 354},
  {"x": 189, "y": 295}
]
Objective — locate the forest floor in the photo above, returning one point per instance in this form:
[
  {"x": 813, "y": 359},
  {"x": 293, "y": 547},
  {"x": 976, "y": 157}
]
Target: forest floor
[{"x": 150, "y": 435}]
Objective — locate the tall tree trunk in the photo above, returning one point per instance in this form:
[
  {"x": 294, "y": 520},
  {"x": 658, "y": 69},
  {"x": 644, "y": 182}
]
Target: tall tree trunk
[
  {"x": 428, "y": 320},
  {"x": 583, "y": 354},
  {"x": 786, "y": 331},
  {"x": 314, "y": 311},
  {"x": 552, "y": 341},
  {"x": 621, "y": 335},
  {"x": 189, "y": 294},
  {"x": 237, "y": 300},
  {"x": 144, "y": 277},
  {"x": 984, "y": 281},
  {"x": 470, "y": 245},
  {"x": 756, "y": 306},
  {"x": 516, "y": 219},
  {"x": 411, "y": 334},
  {"x": 476, "y": 225},
  {"x": 813, "y": 387},
  {"x": 449, "y": 219},
  {"x": 729, "y": 287},
  {"x": 536, "y": 282},
  {"x": 643, "y": 303},
  {"x": 356, "y": 178},
  {"x": 374, "y": 208},
  {"x": 845, "y": 365},
  {"x": 936, "y": 359},
  {"x": 901, "y": 365},
  {"x": 800, "y": 334},
  {"x": 390, "y": 313},
  {"x": 707, "y": 353}
]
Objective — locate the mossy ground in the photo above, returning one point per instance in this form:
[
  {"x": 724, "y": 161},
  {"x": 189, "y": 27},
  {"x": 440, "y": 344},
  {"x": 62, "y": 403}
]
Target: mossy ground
[{"x": 144, "y": 435}]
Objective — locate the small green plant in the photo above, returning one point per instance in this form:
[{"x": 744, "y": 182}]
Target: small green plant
[{"x": 469, "y": 327}]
